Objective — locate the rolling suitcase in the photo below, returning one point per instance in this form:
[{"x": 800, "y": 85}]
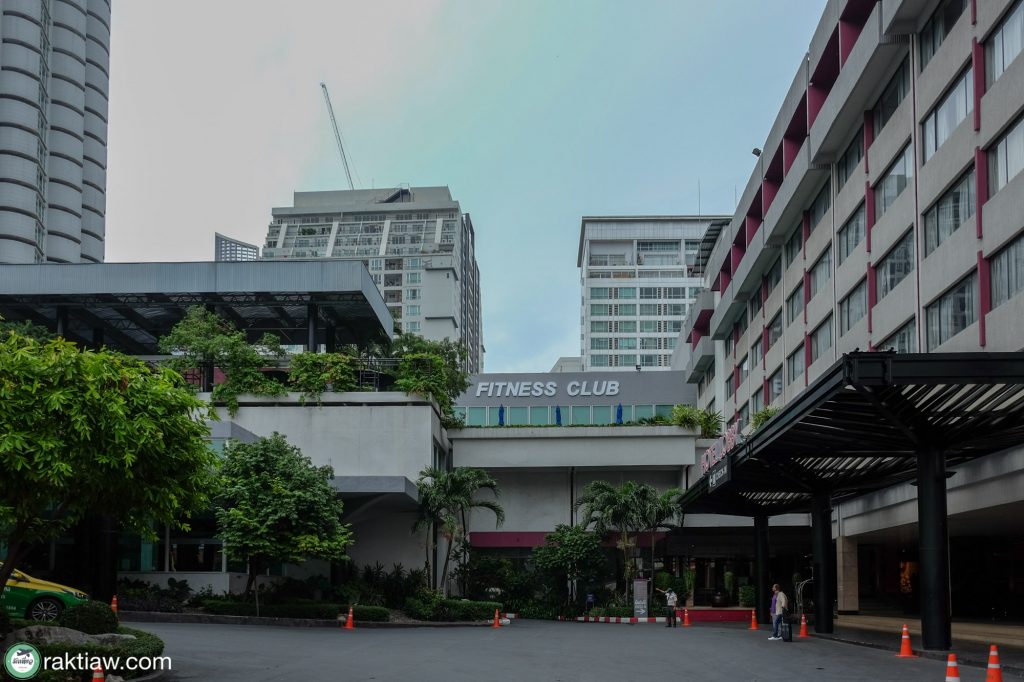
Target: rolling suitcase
[{"x": 786, "y": 629}]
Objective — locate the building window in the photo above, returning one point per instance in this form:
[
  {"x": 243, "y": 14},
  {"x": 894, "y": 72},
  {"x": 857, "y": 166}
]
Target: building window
[
  {"x": 938, "y": 27},
  {"x": 896, "y": 178},
  {"x": 895, "y": 265},
  {"x": 675, "y": 292},
  {"x": 626, "y": 326},
  {"x": 795, "y": 304},
  {"x": 1005, "y": 44},
  {"x": 599, "y": 293},
  {"x": 950, "y": 212},
  {"x": 820, "y": 272},
  {"x": 412, "y": 294},
  {"x": 412, "y": 278},
  {"x": 413, "y": 327},
  {"x": 626, "y": 309},
  {"x": 598, "y": 360},
  {"x": 598, "y": 309},
  {"x": 891, "y": 97},
  {"x": 756, "y": 353},
  {"x": 730, "y": 387},
  {"x": 1006, "y": 158},
  {"x": 1008, "y": 272},
  {"x": 600, "y": 343},
  {"x": 953, "y": 312},
  {"x": 821, "y": 339},
  {"x": 743, "y": 416},
  {"x": 904, "y": 340},
  {"x": 795, "y": 364},
  {"x": 627, "y": 293},
  {"x": 755, "y": 303},
  {"x": 412, "y": 310},
  {"x": 820, "y": 205},
  {"x": 852, "y": 233},
  {"x": 794, "y": 245},
  {"x": 775, "y": 329},
  {"x": 649, "y": 292},
  {"x": 599, "y": 327},
  {"x": 850, "y": 160},
  {"x": 948, "y": 113},
  {"x": 743, "y": 367},
  {"x": 853, "y": 307},
  {"x": 775, "y": 385},
  {"x": 773, "y": 277},
  {"x": 626, "y": 343},
  {"x": 756, "y": 400}
]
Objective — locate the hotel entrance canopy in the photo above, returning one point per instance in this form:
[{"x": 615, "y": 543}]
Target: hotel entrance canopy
[{"x": 129, "y": 306}]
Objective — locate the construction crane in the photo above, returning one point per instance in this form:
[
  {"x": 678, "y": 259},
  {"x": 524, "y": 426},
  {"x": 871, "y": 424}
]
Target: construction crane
[{"x": 337, "y": 135}]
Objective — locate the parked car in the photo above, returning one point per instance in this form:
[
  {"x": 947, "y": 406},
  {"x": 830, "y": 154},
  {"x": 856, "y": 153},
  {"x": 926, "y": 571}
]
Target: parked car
[{"x": 34, "y": 599}]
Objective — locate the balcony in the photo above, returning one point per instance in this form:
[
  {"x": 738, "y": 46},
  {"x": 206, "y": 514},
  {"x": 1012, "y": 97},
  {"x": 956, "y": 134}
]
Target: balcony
[
  {"x": 700, "y": 313},
  {"x": 702, "y": 357}
]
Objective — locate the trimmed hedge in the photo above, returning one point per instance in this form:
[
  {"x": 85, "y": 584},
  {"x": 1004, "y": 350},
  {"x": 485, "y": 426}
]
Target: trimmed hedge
[
  {"x": 145, "y": 644},
  {"x": 432, "y": 607},
  {"x": 612, "y": 612},
  {"x": 315, "y": 610},
  {"x": 91, "y": 617}
]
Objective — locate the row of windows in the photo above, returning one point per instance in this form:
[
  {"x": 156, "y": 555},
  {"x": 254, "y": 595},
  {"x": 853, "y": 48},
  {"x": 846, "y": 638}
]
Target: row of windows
[
  {"x": 630, "y": 360},
  {"x": 606, "y": 293},
  {"x": 547, "y": 415},
  {"x": 630, "y": 343},
  {"x": 646, "y": 309}
]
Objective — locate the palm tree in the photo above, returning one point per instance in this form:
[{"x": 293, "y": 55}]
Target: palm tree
[
  {"x": 447, "y": 496},
  {"x": 611, "y": 508},
  {"x": 656, "y": 511}
]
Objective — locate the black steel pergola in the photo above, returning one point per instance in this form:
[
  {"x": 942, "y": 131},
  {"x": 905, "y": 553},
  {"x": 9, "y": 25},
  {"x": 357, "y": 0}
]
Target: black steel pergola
[{"x": 870, "y": 421}]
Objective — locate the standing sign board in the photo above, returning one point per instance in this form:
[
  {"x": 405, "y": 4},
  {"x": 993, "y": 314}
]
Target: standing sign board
[{"x": 640, "y": 597}]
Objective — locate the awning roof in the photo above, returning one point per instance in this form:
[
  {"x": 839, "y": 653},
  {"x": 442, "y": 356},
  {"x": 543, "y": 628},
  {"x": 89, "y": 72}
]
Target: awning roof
[
  {"x": 131, "y": 305},
  {"x": 859, "y": 426}
]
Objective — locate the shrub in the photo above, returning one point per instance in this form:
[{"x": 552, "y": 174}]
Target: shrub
[
  {"x": 463, "y": 609},
  {"x": 748, "y": 595},
  {"x": 762, "y": 417},
  {"x": 145, "y": 644},
  {"x": 91, "y": 617},
  {"x": 296, "y": 609},
  {"x": 423, "y": 605}
]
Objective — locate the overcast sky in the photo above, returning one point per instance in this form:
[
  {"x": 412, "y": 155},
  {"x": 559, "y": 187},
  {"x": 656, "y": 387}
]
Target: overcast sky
[{"x": 534, "y": 113}]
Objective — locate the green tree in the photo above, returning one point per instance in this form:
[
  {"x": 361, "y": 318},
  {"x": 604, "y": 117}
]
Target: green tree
[
  {"x": 86, "y": 431},
  {"x": 613, "y": 509},
  {"x": 275, "y": 505},
  {"x": 446, "y": 499},
  {"x": 572, "y": 555},
  {"x": 707, "y": 422},
  {"x": 201, "y": 341},
  {"x": 655, "y": 510},
  {"x": 314, "y": 373},
  {"x": 433, "y": 368},
  {"x": 26, "y": 328}
]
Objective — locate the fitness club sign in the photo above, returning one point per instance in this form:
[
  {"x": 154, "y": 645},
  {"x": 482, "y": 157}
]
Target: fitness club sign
[{"x": 720, "y": 448}]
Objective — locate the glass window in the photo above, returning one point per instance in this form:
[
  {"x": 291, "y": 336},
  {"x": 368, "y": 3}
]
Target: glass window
[
  {"x": 600, "y": 309},
  {"x": 754, "y": 304},
  {"x": 820, "y": 272},
  {"x": 795, "y": 364},
  {"x": 663, "y": 411},
  {"x": 896, "y": 178},
  {"x": 904, "y": 340},
  {"x": 775, "y": 329},
  {"x": 493, "y": 416},
  {"x": 953, "y": 312},
  {"x": 821, "y": 339},
  {"x": 1005, "y": 43},
  {"x": 412, "y": 277},
  {"x": 774, "y": 276},
  {"x": 795, "y": 304},
  {"x": 626, "y": 326},
  {"x": 775, "y": 385},
  {"x": 757, "y": 400},
  {"x": 743, "y": 415},
  {"x": 648, "y": 326},
  {"x": 891, "y": 97},
  {"x": 730, "y": 387},
  {"x": 820, "y": 205},
  {"x": 948, "y": 113},
  {"x": 600, "y": 327},
  {"x": 938, "y": 27},
  {"x": 850, "y": 160},
  {"x": 600, "y": 343},
  {"x": 539, "y": 416},
  {"x": 626, "y": 309},
  {"x": 649, "y": 309},
  {"x": 626, "y": 360},
  {"x": 895, "y": 265},
  {"x": 650, "y": 292},
  {"x": 675, "y": 292},
  {"x": 853, "y": 307},
  {"x": 626, "y": 343},
  {"x": 852, "y": 233},
  {"x": 412, "y": 310},
  {"x": 1008, "y": 272},
  {"x": 602, "y": 414},
  {"x": 794, "y": 245},
  {"x": 599, "y": 361},
  {"x": 476, "y": 416},
  {"x": 626, "y": 292},
  {"x": 581, "y": 414},
  {"x": 950, "y": 212},
  {"x": 599, "y": 293},
  {"x": 518, "y": 416},
  {"x": 743, "y": 367},
  {"x": 644, "y": 412},
  {"x": 756, "y": 352},
  {"x": 1006, "y": 158}
]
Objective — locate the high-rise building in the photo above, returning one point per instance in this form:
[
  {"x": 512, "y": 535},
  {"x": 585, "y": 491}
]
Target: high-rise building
[
  {"x": 884, "y": 212},
  {"x": 227, "y": 249},
  {"x": 53, "y": 130},
  {"x": 416, "y": 242},
  {"x": 637, "y": 279}
]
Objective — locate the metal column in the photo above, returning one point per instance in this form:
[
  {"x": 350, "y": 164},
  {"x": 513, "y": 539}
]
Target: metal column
[
  {"x": 62, "y": 321},
  {"x": 933, "y": 550},
  {"x": 331, "y": 333},
  {"x": 824, "y": 561},
  {"x": 764, "y": 590},
  {"x": 312, "y": 320}
]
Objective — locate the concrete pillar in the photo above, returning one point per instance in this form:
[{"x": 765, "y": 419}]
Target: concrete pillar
[
  {"x": 933, "y": 550},
  {"x": 846, "y": 575},
  {"x": 761, "y": 558},
  {"x": 824, "y": 561}
]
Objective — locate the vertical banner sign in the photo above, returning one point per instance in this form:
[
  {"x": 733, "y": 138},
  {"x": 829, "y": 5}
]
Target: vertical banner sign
[{"x": 640, "y": 597}]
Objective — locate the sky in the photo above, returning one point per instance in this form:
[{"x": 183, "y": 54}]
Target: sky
[{"x": 534, "y": 113}]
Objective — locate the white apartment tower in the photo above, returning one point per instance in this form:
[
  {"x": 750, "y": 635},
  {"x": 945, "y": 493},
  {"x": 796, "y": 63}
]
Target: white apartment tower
[
  {"x": 53, "y": 130},
  {"x": 638, "y": 282},
  {"x": 416, "y": 242}
]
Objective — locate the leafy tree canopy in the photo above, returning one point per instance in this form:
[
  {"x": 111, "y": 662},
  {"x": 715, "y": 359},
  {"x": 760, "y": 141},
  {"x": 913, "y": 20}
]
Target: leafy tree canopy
[
  {"x": 26, "y": 328},
  {"x": 83, "y": 431},
  {"x": 276, "y": 505},
  {"x": 454, "y": 380},
  {"x": 572, "y": 553}
]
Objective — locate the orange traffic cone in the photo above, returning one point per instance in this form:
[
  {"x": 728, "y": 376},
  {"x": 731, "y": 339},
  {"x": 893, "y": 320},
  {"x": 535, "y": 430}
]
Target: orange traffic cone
[
  {"x": 97, "y": 674},
  {"x": 496, "y": 623},
  {"x": 686, "y": 618},
  {"x": 350, "y": 621},
  {"x": 803, "y": 625},
  {"x": 995, "y": 671},
  {"x": 113, "y": 604},
  {"x": 952, "y": 671},
  {"x": 905, "y": 650},
  {"x": 753, "y": 619}
]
